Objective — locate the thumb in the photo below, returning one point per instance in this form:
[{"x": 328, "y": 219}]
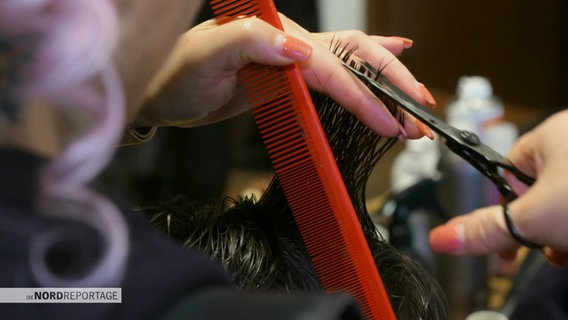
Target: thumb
[
  {"x": 250, "y": 40},
  {"x": 481, "y": 232}
]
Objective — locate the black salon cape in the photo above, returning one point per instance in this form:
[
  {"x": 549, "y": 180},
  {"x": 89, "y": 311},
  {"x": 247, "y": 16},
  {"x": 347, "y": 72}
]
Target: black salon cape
[
  {"x": 545, "y": 296},
  {"x": 162, "y": 279}
]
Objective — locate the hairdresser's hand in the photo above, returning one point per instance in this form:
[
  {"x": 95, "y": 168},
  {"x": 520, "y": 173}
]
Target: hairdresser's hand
[
  {"x": 198, "y": 84},
  {"x": 540, "y": 214}
]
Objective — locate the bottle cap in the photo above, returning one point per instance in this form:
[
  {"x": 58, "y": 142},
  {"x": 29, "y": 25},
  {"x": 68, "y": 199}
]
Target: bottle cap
[
  {"x": 474, "y": 87},
  {"x": 486, "y": 315}
]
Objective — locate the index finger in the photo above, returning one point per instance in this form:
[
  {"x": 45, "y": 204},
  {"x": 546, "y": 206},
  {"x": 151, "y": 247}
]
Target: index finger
[
  {"x": 369, "y": 49},
  {"x": 325, "y": 72}
]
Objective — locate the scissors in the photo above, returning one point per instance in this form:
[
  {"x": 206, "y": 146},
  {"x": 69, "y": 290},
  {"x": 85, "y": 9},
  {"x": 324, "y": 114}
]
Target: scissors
[{"x": 465, "y": 144}]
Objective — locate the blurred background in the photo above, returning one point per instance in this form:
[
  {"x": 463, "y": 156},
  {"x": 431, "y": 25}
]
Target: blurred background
[
  {"x": 522, "y": 46},
  {"x": 519, "y": 47}
]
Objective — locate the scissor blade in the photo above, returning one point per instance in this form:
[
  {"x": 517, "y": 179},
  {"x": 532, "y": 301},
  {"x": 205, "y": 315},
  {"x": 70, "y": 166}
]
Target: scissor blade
[
  {"x": 463, "y": 143},
  {"x": 386, "y": 88}
]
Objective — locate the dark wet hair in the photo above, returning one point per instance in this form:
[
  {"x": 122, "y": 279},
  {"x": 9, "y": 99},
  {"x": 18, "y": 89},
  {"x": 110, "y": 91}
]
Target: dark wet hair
[{"x": 259, "y": 243}]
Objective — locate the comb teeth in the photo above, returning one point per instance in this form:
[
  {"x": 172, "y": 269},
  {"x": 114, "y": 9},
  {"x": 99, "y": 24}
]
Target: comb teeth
[
  {"x": 277, "y": 121},
  {"x": 320, "y": 210},
  {"x": 223, "y": 8},
  {"x": 305, "y": 165}
]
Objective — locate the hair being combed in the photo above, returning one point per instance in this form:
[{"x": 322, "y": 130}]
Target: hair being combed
[{"x": 62, "y": 50}]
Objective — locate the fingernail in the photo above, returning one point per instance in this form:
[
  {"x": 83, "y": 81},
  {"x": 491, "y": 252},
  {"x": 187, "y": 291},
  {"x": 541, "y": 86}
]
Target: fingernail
[
  {"x": 424, "y": 129},
  {"x": 407, "y": 42},
  {"x": 426, "y": 94},
  {"x": 296, "y": 49},
  {"x": 554, "y": 257},
  {"x": 403, "y": 136},
  {"x": 447, "y": 239}
]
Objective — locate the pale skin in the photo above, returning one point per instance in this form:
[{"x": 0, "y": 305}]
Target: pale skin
[
  {"x": 539, "y": 213},
  {"x": 176, "y": 66},
  {"x": 173, "y": 75},
  {"x": 198, "y": 85}
]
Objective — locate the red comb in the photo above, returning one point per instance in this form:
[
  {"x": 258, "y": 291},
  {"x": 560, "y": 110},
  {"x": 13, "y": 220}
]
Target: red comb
[{"x": 305, "y": 165}]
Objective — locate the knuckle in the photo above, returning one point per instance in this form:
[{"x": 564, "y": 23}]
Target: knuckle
[
  {"x": 250, "y": 26},
  {"x": 354, "y": 35}
]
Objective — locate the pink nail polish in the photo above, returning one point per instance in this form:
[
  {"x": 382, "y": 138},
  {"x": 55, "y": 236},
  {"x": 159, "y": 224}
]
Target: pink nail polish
[
  {"x": 296, "y": 49},
  {"x": 407, "y": 42},
  {"x": 426, "y": 94},
  {"x": 446, "y": 239},
  {"x": 425, "y": 130}
]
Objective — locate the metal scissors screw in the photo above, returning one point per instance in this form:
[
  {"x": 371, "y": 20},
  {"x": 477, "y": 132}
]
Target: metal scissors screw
[{"x": 470, "y": 138}]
